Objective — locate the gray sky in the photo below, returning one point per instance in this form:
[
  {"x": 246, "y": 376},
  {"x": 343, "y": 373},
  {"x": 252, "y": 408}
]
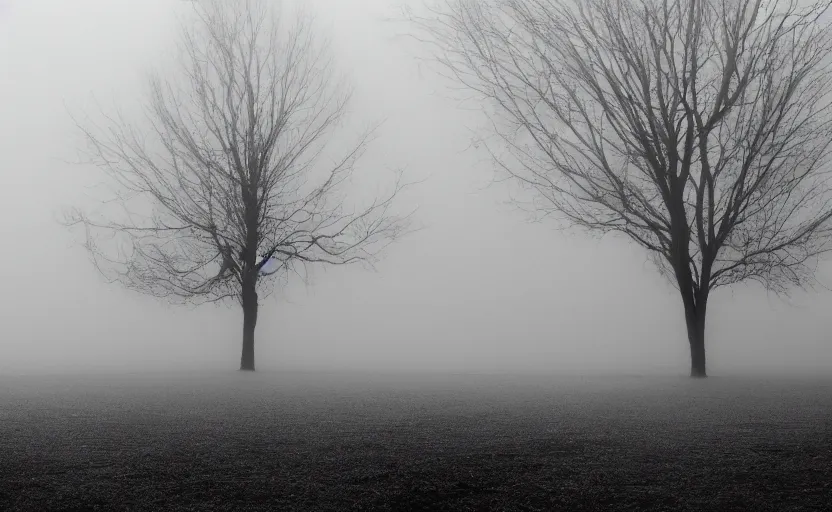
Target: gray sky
[{"x": 478, "y": 290}]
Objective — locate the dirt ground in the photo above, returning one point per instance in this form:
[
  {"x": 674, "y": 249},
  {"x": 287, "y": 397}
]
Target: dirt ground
[{"x": 311, "y": 442}]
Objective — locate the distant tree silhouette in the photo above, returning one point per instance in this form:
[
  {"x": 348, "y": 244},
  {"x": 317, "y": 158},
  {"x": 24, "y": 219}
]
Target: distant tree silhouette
[
  {"x": 700, "y": 129},
  {"x": 228, "y": 172}
]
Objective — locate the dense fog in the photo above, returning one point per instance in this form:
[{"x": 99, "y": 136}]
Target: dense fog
[{"x": 478, "y": 289}]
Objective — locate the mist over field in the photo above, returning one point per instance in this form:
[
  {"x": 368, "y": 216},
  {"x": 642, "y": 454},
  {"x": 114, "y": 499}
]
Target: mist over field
[
  {"x": 478, "y": 289},
  {"x": 487, "y": 362}
]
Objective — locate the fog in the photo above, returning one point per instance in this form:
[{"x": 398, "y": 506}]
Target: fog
[{"x": 479, "y": 289}]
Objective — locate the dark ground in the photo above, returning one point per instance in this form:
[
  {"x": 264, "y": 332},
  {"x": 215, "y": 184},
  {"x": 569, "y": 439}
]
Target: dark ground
[{"x": 337, "y": 442}]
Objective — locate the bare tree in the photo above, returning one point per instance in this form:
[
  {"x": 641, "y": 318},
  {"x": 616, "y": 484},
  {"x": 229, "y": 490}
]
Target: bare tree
[
  {"x": 228, "y": 174},
  {"x": 698, "y": 128}
]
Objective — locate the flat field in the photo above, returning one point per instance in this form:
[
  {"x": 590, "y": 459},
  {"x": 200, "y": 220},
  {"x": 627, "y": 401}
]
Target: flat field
[{"x": 281, "y": 441}]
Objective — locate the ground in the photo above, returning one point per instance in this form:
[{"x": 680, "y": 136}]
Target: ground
[{"x": 280, "y": 441}]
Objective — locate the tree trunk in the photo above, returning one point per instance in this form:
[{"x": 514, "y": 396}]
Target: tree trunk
[
  {"x": 695, "y": 320},
  {"x": 697, "y": 354},
  {"x": 249, "y": 323}
]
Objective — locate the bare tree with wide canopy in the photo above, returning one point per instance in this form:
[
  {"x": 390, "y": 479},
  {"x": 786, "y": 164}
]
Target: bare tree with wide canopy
[
  {"x": 699, "y": 129},
  {"x": 231, "y": 171}
]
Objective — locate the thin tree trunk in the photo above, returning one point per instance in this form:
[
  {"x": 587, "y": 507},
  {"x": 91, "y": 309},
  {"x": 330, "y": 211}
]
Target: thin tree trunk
[
  {"x": 697, "y": 354},
  {"x": 695, "y": 320},
  {"x": 694, "y": 298},
  {"x": 249, "y": 323}
]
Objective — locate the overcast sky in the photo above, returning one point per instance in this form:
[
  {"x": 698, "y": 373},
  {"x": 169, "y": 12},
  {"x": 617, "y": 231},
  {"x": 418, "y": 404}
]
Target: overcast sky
[{"x": 479, "y": 289}]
